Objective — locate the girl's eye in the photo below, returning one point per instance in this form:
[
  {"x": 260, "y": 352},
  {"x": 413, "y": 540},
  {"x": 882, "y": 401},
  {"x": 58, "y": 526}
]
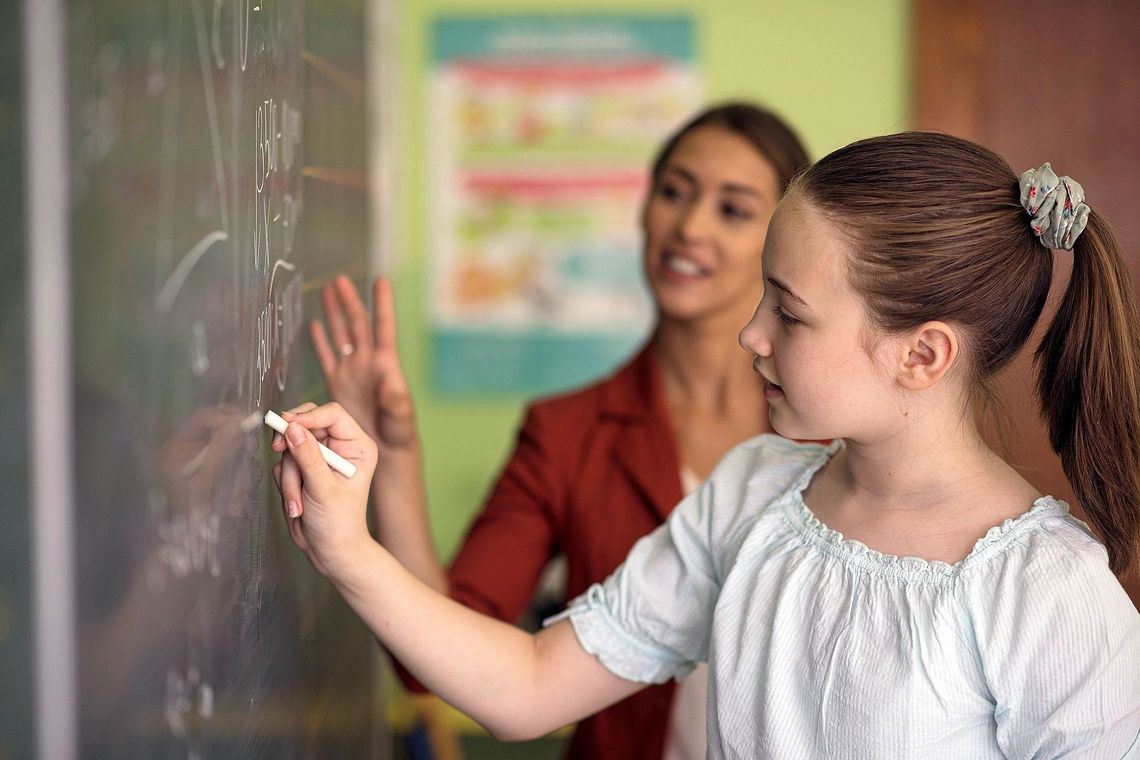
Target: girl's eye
[{"x": 784, "y": 317}]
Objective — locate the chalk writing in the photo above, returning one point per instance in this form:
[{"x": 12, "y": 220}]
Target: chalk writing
[
  {"x": 173, "y": 285},
  {"x": 100, "y": 116},
  {"x": 216, "y": 36},
  {"x": 156, "y": 68},
  {"x": 243, "y": 31},
  {"x": 211, "y": 110},
  {"x": 277, "y": 326},
  {"x": 199, "y": 351},
  {"x": 189, "y": 543},
  {"x": 187, "y": 697},
  {"x": 290, "y": 133}
]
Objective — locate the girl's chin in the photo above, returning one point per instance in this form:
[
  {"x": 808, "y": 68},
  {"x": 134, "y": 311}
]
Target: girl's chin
[{"x": 787, "y": 428}]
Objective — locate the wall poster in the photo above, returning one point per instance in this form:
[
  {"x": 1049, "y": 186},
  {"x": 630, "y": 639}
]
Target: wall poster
[{"x": 541, "y": 130}]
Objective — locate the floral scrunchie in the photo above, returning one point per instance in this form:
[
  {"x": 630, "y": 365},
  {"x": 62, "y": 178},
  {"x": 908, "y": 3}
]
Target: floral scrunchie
[{"x": 1056, "y": 205}]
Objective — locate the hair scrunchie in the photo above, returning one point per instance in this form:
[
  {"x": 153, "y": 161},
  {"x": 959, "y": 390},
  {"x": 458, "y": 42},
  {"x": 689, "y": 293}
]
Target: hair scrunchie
[{"x": 1056, "y": 205}]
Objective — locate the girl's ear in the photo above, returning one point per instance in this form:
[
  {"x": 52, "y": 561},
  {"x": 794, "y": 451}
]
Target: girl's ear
[{"x": 926, "y": 354}]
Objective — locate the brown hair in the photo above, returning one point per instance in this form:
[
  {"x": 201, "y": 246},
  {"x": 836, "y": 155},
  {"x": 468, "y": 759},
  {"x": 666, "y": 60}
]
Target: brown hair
[
  {"x": 767, "y": 132},
  {"x": 938, "y": 233}
]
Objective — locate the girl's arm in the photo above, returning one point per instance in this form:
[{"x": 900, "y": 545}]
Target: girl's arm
[{"x": 515, "y": 684}]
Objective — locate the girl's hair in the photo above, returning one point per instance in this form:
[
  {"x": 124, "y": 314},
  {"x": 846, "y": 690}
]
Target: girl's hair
[
  {"x": 767, "y": 132},
  {"x": 937, "y": 232}
]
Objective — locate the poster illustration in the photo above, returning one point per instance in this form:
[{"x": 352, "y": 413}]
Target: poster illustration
[{"x": 541, "y": 132}]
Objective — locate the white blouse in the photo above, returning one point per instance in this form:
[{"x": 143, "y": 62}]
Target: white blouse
[{"x": 820, "y": 647}]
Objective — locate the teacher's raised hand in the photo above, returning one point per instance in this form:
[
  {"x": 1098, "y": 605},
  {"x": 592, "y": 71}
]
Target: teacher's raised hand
[{"x": 361, "y": 365}]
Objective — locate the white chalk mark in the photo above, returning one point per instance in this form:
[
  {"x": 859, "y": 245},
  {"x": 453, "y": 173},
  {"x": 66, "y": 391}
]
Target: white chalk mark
[
  {"x": 250, "y": 423},
  {"x": 211, "y": 109},
  {"x": 176, "y": 703},
  {"x": 206, "y": 701},
  {"x": 243, "y": 32},
  {"x": 290, "y": 134},
  {"x": 216, "y": 36},
  {"x": 194, "y": 462},
  {"x": 101, "y": 116},
  {"x": 188, "y": 543},
  {"x": 280, "y": 264},
  {"x": 200, "y": 353},
  {"x": 177, "y": 278},
  {"x": 156, "y": 68},
  {"x": 168, "y": 162}
]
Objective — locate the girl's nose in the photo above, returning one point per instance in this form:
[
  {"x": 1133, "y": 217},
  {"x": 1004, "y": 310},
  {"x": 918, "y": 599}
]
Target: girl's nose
[{"x": 754, "y": 336}]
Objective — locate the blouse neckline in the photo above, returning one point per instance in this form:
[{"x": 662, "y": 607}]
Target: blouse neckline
[{"x": 854, "y": 552}]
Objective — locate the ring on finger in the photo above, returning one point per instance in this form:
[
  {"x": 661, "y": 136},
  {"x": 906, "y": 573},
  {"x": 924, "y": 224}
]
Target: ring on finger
[{"x": 347, "y": 349}]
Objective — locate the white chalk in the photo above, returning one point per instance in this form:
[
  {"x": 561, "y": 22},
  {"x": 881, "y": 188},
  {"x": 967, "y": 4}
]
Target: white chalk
[{"x": 335, "y": 460}]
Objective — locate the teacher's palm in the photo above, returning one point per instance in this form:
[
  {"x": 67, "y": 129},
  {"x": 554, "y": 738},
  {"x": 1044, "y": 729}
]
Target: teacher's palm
[{"x": 361, "y": 365}]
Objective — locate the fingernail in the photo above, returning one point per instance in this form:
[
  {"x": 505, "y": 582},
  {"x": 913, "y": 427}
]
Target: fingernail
[
  {"x": 293, "y": 509},
  {"x": 296, "y": 434}
]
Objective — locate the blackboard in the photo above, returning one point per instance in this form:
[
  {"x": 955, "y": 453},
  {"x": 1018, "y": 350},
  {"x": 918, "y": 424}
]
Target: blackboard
[
  {"x": 15, "y": 568},
  {"x": 217, "y": 172}
]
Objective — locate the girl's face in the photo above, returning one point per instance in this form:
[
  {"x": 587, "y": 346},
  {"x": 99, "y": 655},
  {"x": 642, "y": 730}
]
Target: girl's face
[
  {"x": 705, "y": 222},
  {"x": 826, "y": 370}
]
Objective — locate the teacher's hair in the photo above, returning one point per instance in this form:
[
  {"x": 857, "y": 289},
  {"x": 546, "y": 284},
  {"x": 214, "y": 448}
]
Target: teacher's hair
[{"x": 768, "y": 133}]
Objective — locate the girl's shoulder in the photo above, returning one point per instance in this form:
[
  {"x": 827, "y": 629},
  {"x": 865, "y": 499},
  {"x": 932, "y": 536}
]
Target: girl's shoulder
[
  {"x": 1037, "y": 542},
  {"x": 1056, "y": 636},
  {"x": 753, "y": 477},
  {"x": 770, "y": 462},
  {"x": 1045, "y": 559}
]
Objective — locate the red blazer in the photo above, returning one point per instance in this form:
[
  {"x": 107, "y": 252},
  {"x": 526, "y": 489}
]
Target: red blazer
[{"x": 592, "y": 472}]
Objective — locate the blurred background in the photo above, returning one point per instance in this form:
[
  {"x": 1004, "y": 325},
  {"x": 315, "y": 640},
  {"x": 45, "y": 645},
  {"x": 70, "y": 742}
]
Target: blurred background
[{"x": 224, "y": 158}]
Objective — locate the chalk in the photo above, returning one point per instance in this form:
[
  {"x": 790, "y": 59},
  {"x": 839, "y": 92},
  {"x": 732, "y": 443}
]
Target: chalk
[{"x": 335, "y": 460}]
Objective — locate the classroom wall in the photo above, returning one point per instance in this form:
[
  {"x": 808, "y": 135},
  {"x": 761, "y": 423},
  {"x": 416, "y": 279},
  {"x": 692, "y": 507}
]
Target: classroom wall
[{"x": 837, "y": 71}]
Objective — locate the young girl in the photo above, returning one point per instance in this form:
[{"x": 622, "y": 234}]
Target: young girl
[
  {"x": 900, "y": 593},
  {"x": 644, "y": 436}
]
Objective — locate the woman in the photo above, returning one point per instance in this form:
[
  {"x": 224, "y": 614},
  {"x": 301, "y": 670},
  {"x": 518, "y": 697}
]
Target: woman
[{"x": 643, "y": 437}]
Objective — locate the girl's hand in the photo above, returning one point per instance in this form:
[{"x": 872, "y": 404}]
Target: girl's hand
[
  {"x": 361, "y": 366},
  {"x": 324, "y": 510}
]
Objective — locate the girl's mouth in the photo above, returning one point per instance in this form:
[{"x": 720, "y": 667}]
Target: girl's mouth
[{"x": 771, "y": 390}]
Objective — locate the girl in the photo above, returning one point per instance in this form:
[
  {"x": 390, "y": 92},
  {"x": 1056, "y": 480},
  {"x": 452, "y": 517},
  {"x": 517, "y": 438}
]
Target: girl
[
  {"x": 643, "y": 437},
  {"x": 899, "y": 593}
]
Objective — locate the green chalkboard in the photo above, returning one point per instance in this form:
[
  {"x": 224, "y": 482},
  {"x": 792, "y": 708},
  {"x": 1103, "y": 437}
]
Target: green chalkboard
[
  {"x": 217, "y": 154},
  {"x": 16, "y": 738}
]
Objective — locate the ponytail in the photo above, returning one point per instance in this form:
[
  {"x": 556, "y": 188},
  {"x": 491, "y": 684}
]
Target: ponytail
[{"x": 1089, "y": 387}]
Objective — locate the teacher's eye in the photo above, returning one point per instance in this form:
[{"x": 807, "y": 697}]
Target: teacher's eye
[
  {"x": 784, "y": 317},
  {"x": 736, "y": 213},
  {"x": 670, "y": 192}
]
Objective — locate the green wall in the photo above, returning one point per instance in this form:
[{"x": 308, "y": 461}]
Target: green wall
[{"x": 837, "y": 71}]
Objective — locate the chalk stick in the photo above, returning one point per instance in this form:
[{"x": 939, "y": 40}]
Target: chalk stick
[{"x": 335, "y": 460}]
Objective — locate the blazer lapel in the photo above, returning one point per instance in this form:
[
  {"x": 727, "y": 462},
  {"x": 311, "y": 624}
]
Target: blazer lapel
[{"x": 645, "y": 448}]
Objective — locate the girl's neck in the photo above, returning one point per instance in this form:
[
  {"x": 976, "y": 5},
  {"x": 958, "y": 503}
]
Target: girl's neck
[
  {"x": 927, "y": 466},
  {"x": 929, "y": 496}
]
